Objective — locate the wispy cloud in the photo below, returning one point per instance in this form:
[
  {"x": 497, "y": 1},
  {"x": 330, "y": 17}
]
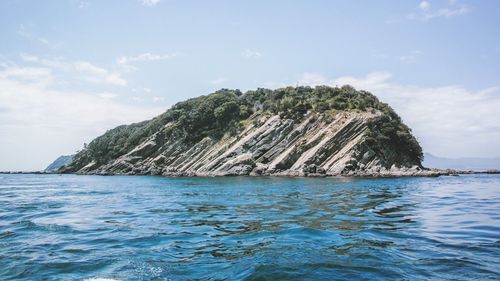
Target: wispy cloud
[
  {"x": 97, "y": 74},
  {"x": 79, "y": 69},
  {"x": 56, "y": 63},
  {"x": 39, "y": 76},
  {"x": 374, "y": 53},
  {"x": 407, "y": 58},
  {"x": 145, "y": 57},
  {"x": 218, "y": 81},
  {"x": 149, "y": 3},
  {"x": 145, "y": 90},
  {"x": 32, "y": 104},
  {"x": 424, "y": 5},
  {"x": 410, "y": 57},
  {"x": 439, "y": 116},
  {"x": 251, "y": 54},
  {"x": 425, "y": 11},
  {"x": 157, "y": 99},
  {"x": 107, "y": 95},
  {"x": 83, "y": 5},
  {"x": 138, "y": 99},
  {"x": 275, "y": 84},
  {"x": 25, "y": 32}
]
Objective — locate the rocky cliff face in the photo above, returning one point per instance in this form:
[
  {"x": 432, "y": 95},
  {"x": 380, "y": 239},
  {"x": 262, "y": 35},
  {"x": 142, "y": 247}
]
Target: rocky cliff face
[{"x": 304, "y": 142}]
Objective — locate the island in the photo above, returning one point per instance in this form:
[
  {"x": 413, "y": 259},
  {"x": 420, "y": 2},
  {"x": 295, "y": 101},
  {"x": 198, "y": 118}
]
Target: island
[{"x": 291, "y": 131}]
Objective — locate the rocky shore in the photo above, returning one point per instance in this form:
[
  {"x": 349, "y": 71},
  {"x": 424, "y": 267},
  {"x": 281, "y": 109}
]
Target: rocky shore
[{"x": 394, "y": 173}]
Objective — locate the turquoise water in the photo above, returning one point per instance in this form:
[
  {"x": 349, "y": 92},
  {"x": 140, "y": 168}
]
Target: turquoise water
[{"x": 151, "y": 228}]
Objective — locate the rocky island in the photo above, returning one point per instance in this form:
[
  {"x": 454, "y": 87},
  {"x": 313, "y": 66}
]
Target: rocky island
[{"x": 292, "y": 131}]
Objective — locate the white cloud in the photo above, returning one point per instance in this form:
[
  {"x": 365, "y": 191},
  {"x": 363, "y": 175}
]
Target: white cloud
[
  {"x": 451, "y": 9},
  {"x": 313, "y": 79},
  {"x": 97, "y": 74},
  {"x": 137, "y": 99},
  {"x": 156, "y": 99},
  {"x": 144, "y": 89},
  {"x": 411, "y": 57},
  {"x": 424, "y": 5},
  {"x": 83, "y": 5},
  {"x": 145, "y": 57},
  {"x": 378, "y": 54},
  {"x": 448, "y": 13},
  {"x": 107, "y": 95},
  {"x": 25, "y": 32},
  {"x": 408, "y": 58},
  {"x": 275, "y": 85},
  {"x": 80, "y": 69},
  {"x": 218, "y": 81},
  {"x": 52, "y": 63},
  {"x": 251, "y": 54},
  {"x": 149, "y": 3},
  {"x": 449, "y": 121},
  {"x": 33, "y": 75},
  {"x": 38, "y": 122}
]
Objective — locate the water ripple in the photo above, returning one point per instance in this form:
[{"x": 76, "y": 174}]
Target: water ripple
[{"x": 151, "y": 228}]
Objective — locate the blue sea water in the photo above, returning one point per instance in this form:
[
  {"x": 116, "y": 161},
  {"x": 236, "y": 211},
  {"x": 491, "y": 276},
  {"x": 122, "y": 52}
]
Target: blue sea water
[{"x": 68, "y": 227}]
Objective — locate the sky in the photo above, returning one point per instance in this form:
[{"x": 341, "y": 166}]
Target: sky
[{"x": 70, "y": 70}]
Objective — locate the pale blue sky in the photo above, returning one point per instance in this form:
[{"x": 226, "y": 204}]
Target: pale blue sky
[{"x": 69, "y": 70}]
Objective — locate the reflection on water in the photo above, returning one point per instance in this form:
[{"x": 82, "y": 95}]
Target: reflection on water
[{"x": 150, "y": 228}]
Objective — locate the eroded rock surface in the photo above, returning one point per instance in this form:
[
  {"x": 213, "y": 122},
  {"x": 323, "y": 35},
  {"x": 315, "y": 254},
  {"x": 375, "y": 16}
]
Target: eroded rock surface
[{"x": 269, "y": 146}]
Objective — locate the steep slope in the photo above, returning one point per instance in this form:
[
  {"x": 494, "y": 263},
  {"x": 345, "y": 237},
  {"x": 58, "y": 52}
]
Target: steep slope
[{"x": 299, "y": 131}]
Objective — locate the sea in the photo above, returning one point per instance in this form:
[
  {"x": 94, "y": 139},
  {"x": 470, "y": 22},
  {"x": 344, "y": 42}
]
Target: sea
[{"x": 74, "y": 227}]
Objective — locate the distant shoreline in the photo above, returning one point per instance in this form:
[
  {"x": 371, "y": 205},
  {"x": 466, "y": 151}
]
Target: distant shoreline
[{"x": 23, "y": 172}]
